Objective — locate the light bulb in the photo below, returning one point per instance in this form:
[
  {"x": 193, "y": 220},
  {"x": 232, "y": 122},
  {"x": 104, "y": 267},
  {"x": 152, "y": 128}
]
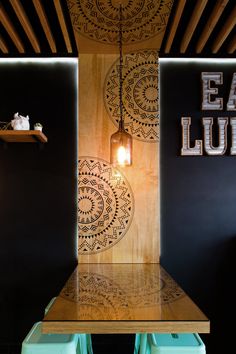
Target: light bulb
[
  {"x": 123, "y": 156},
  {"x": 121, "y": 148}
]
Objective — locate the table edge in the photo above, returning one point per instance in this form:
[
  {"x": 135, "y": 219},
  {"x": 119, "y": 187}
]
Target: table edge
[{"x": 109, "y": 327}]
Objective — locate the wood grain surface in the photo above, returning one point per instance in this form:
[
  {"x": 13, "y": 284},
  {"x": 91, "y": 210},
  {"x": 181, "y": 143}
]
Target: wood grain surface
[
  {"x": 96, "y": 26},
  {"x": 23, "y": 136},
  {"x": 130, "y": 204},
  {"x": 127, "y": 298}
]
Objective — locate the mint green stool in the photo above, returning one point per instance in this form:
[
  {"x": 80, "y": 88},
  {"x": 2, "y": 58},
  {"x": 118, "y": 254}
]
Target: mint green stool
[
  {"x": 38, "y": 343},
  {"x": 140, "y": 345},
  {"x": 169, "y": 343},
  {"x": 85, "y": 340}
]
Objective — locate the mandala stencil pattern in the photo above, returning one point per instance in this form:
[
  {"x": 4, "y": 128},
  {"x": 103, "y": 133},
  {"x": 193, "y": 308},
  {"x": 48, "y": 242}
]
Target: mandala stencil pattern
[
  {"x": 99, "y": 19},
  {"x": 140, "y": 95},
  {"x": 119, "y": 293},
  {"x": 95, "y": 290},
  {"x": 105, "y": 205}
]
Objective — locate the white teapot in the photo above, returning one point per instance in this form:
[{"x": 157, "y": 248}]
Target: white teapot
[{"x": 20, "y": 122}]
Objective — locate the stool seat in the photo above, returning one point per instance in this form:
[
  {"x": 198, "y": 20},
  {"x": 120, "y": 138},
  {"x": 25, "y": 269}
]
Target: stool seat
[
  {"x": 178, "y": 343},
  {"x": 85, "y": 340},
  {"x": 169, "y": 343},
  {"x": 38, "y": 343}
]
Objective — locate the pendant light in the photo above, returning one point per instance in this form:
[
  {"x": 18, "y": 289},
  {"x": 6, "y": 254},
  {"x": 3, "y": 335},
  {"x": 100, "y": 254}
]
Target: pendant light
[{"x": 121, "y": 141}]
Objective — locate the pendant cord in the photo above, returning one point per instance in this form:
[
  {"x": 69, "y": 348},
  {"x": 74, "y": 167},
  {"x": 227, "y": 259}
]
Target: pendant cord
[{"x": 120, "y": 71}]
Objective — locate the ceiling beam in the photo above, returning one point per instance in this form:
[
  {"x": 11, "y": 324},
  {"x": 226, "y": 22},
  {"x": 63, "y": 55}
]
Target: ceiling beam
[
  {"x": 225, "y": 31},
  {"x": 174, "y": 25},
  {"x": 232, "y": 45},
  {"x": 11, "y": 30},
  {"x": 25, "y": 23},
  {"x": 3, "y": 46},
  {"x": 196, "y": 15},
  {"x": 61, "y": 19},
  {"x": 45, "y": 24},
  {"x": 211, "y": 23}
]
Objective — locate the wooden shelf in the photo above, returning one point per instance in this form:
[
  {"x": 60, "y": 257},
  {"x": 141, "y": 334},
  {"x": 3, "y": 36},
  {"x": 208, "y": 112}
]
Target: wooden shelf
[
  {"x": 123, "y": 298},
  {"x": 22, "y": 136}
]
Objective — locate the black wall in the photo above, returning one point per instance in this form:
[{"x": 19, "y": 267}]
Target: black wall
[
  {"x": 37, "y": 194},
  {"x": 198, "y": 200}
]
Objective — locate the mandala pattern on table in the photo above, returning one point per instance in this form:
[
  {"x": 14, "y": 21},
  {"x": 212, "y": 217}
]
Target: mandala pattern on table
[
  {"x": 98, "y": 297},
  {"x": 117, "y": 291},
  {"x": 140, "y": 94},
  {"x": 105, "y": 205},
  {"x": 99, "y": 20},
  {"x": 171, "y": 290},
  {"x": 146, "y": 289}
]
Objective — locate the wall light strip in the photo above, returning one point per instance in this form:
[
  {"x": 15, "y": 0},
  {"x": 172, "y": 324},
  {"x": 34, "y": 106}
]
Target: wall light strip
[
  {"x": 198, "y": 60},
  {"x": 38, "y": 60}
]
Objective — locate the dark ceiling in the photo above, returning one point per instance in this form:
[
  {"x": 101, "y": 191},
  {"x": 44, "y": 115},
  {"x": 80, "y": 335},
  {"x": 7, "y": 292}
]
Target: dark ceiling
[{"x": 44, "y": 28}]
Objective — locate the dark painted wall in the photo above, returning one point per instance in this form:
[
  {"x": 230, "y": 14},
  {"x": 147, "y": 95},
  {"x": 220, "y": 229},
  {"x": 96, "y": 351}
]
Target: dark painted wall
[
  {"x": 198, "y": 200},
  {"x": 37, "y": 194}
]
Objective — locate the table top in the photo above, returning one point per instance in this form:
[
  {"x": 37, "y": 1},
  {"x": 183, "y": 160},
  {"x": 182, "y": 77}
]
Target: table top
[{"x": 123, "y": 298}]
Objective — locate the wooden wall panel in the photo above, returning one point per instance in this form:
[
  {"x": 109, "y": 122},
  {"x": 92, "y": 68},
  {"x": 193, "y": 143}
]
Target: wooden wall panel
[
  {"x": 140, "y": 243},
  {"x": 96, "y": 24}
]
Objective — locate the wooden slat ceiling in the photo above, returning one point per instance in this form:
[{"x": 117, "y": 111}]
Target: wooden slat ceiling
[
  {"x": 201, "y": 28},
  {"x": 36, "y": 27},
  {"x": 47, "y": 27}
]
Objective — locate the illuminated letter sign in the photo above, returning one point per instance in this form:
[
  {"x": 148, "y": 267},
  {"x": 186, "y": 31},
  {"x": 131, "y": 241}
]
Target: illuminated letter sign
[
  {"x": 231, "y": 105},
  {"x": 211, "y": 103},
  {"x": 209, "y": 148},
  {"x": 208, "y": 103},
  {"x": 233, "y": 128},
  {"x": 186, "y": 149}
]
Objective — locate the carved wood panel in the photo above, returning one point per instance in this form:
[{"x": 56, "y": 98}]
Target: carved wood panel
[
  {"x": 99, "y": 19},
  {"x": 118, "y": 209},
  {"x": 105, "y": 205},
  {"x": 140, "y": 94}
]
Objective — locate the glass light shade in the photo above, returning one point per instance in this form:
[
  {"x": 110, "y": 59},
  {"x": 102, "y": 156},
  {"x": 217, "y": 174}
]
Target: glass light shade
[{"x": 121, "y": 148}]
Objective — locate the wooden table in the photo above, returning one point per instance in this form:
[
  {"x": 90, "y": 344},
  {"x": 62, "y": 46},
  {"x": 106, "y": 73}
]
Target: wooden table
[{"x": 123, "y": 298}]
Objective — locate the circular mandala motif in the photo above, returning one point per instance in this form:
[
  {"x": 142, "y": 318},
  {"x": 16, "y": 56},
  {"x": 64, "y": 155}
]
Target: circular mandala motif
[
  {"x": 140, "y": 95},
  {"x": 90, "y": 205},
  {"x": 105, "y": 205},
  {"x": 145, "y": 94},
  {"x": 98, "y": 297},
  {"x": 99, "y": 19}
]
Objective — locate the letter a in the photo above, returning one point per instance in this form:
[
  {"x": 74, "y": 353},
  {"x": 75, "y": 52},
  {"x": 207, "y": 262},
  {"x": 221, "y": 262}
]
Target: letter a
[{"x": 231, "y": 104}]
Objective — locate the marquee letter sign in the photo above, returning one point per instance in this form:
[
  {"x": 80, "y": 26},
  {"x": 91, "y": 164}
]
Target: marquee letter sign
[
  {"x": 186, "y": 149},
  {"x": 233, "y": 127},
  {"x": 211, "y": 103},
  {"x": 209, "y": 148},
  {"x": 231, "y": 105}
]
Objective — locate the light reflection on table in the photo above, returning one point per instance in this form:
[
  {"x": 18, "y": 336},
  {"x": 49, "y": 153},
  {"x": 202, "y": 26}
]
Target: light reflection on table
[{"x": 127, "y": 298}]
